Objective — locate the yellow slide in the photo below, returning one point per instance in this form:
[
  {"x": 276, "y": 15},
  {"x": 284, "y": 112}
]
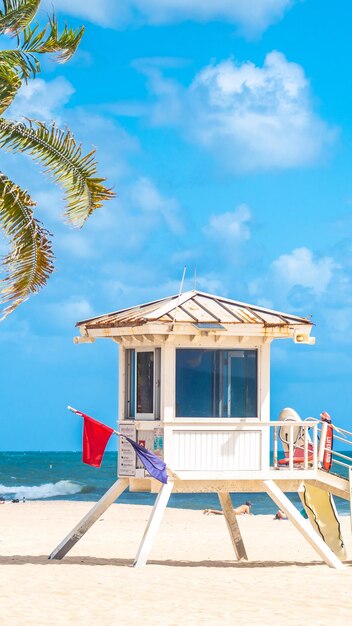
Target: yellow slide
[
  {"x": 320, "y": 508},
  {"x": 319, "y": 504}
]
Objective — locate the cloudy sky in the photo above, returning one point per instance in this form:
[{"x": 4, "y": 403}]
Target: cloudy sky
[{"x": 226, "y": 130}]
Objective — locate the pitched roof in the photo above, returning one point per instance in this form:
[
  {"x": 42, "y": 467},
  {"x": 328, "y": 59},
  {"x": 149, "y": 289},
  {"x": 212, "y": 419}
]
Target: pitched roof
[{"x": 193, "y": 307}]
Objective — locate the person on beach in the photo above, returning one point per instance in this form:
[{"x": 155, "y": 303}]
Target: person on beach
[
  {"x": 280, "y": 515},
  {"x": 243, "y": 509}
]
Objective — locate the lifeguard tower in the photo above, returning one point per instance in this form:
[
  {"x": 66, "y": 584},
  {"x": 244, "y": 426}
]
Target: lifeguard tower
[{"x": 194, "y": 388}]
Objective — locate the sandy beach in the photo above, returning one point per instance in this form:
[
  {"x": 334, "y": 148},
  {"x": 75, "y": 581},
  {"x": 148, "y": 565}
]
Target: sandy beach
[{"x": 191, "y": 578}]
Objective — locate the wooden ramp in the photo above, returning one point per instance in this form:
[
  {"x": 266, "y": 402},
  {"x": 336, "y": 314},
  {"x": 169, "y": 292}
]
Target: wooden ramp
[{"x": 337, "y": 485}]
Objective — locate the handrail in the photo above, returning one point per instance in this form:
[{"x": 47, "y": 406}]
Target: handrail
[
  {"x": 342, "y": 439},
  {"x": 346, "y": 438},
  {"x": 317, "y": 441}
]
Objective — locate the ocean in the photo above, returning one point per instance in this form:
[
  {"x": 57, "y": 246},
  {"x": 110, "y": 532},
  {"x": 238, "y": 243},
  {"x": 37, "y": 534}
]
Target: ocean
[{"x": 63, "y": 476}]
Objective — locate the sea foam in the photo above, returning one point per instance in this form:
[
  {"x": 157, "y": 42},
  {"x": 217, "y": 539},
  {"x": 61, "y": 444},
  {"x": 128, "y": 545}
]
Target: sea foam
[{"x": 40, "y": 492}]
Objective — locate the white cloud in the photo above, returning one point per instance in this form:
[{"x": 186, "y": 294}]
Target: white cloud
[
  {"x": 139, "y": 280},
  {"x": 253, "y": 16},
  {"x": 16, "y": 331},
  {"x": 298, "y": 282},
  {"x": 76, "y": 244},
  {"x": 248, "y": 116},
  {"x": 146, "y": 197},
  {"x": 211, "y": 283},
  {"x": 41, "y": 99},
  {"x": 49, "y": 199},
  {"x": 232, "y": 226},
  {"x": 68, "y": 312},
  {"x": 115, "y": 145},
  {"x": 258, "y": 117},
  {"x": 102, "y": 12},
  {"x": 301, "y": 268},
  {"x": 180, "y": 257}
]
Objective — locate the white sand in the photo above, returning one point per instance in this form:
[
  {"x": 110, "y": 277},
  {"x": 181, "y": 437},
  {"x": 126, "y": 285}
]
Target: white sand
[{"x": 191, "y": 579}]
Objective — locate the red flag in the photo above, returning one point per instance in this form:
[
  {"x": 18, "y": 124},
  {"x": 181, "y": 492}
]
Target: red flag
[{"x": 95, "y": 438}]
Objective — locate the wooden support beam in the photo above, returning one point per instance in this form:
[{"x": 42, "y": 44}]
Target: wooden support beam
[
  {"x": 88, "y": 520},
  {"x": 84, "y": 339},
  {"x": 126, "y": 340},
  {"x": 145, "y": 338},
  {"x": 232, "y": 525},
  {"x": 153, "y": 524},
  {"x": 303, "y": 525},
  {"x": 336, "y": 485}
]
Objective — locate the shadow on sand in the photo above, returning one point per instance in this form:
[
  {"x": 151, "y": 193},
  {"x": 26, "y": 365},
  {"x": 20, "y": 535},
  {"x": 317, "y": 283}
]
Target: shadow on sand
[{"x": 16, "y": 559}]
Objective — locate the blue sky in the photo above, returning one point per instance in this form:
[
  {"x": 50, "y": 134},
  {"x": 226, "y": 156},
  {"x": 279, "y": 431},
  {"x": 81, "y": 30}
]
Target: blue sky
[{"x": 227, "y": 134}]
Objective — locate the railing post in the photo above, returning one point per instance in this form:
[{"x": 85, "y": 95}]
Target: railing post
[
  {"x": 275, "y": 447},
  {"x": 290, "y": 448},
  {"x": 305, "y": 444},
  {"x": 315, "y": 446}
]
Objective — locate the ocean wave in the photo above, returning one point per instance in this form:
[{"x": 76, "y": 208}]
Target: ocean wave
[{"x": 40, "y": 492}]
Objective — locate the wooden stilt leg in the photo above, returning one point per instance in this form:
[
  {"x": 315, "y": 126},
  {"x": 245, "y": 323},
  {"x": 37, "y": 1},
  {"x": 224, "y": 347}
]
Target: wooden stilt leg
[
  {"x": 153, "y": 524},
  {"x": 88, "y": 520},
  {"x": 303, "y": 525},
  {"x": 232, "y": 525}
]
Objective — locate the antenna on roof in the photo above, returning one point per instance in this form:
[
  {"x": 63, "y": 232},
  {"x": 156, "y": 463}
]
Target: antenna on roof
[
  {"x": 195, "y": 279},
  {"x": 179, "y": 295}
]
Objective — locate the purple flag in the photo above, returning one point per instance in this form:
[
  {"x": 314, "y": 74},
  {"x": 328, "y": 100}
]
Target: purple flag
[{"x": 152, "y": 463}]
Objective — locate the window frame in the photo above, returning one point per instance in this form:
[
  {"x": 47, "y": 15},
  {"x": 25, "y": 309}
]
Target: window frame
[
  {"x": 131, "y": 378},
  {"x": 222, "y": 350},
  {"x": 144, "y": 416}
]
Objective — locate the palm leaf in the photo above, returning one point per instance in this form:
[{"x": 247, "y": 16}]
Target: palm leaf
[
  {"x": 9, "y": 85},
  {"x": 23, "y": 63},
  {"x": 49, "y": 41},
  {"x": 34, "y": 41},
  {"x": 17, "y": 15},
  {"x": 62, "y": 158},
  {"x": 30, "y": 260}
]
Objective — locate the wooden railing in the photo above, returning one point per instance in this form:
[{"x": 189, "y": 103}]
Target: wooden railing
[
  {"x": 297, "y": 456},
  {"x": 314, "y": 447}
]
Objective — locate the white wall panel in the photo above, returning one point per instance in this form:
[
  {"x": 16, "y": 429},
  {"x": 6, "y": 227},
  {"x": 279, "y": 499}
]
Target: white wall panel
[{"x": 216, "y": 450}]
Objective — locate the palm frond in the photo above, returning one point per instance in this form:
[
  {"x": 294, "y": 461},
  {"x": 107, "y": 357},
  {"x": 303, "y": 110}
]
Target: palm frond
[
  {"x": 62, "y": 158},
  {"x": 9, "y": 85},
  {"x": 23, "y": 63},
  {"x": 30, "y": 261},
  {"x": 48, "y": 40},
  {"x": 38, "y": 41},
  {"x": 17, "y": 15}
]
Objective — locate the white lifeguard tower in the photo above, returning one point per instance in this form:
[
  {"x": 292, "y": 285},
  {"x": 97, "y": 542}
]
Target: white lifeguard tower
[{"x": 194, "y": 388}]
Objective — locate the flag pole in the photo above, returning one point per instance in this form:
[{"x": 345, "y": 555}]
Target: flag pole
[
  {"x": 119, "y": 434},
  {"x": 70, "y": 408},
  {"x": 116, "y": 432}
]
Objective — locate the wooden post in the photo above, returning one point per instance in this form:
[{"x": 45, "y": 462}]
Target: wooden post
[
  {"x": 303, "y": 525},
  {"x": 153, "y": 524},
  {"x": 88, "y": 520},
  {"x": 232, "y": 525}
]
